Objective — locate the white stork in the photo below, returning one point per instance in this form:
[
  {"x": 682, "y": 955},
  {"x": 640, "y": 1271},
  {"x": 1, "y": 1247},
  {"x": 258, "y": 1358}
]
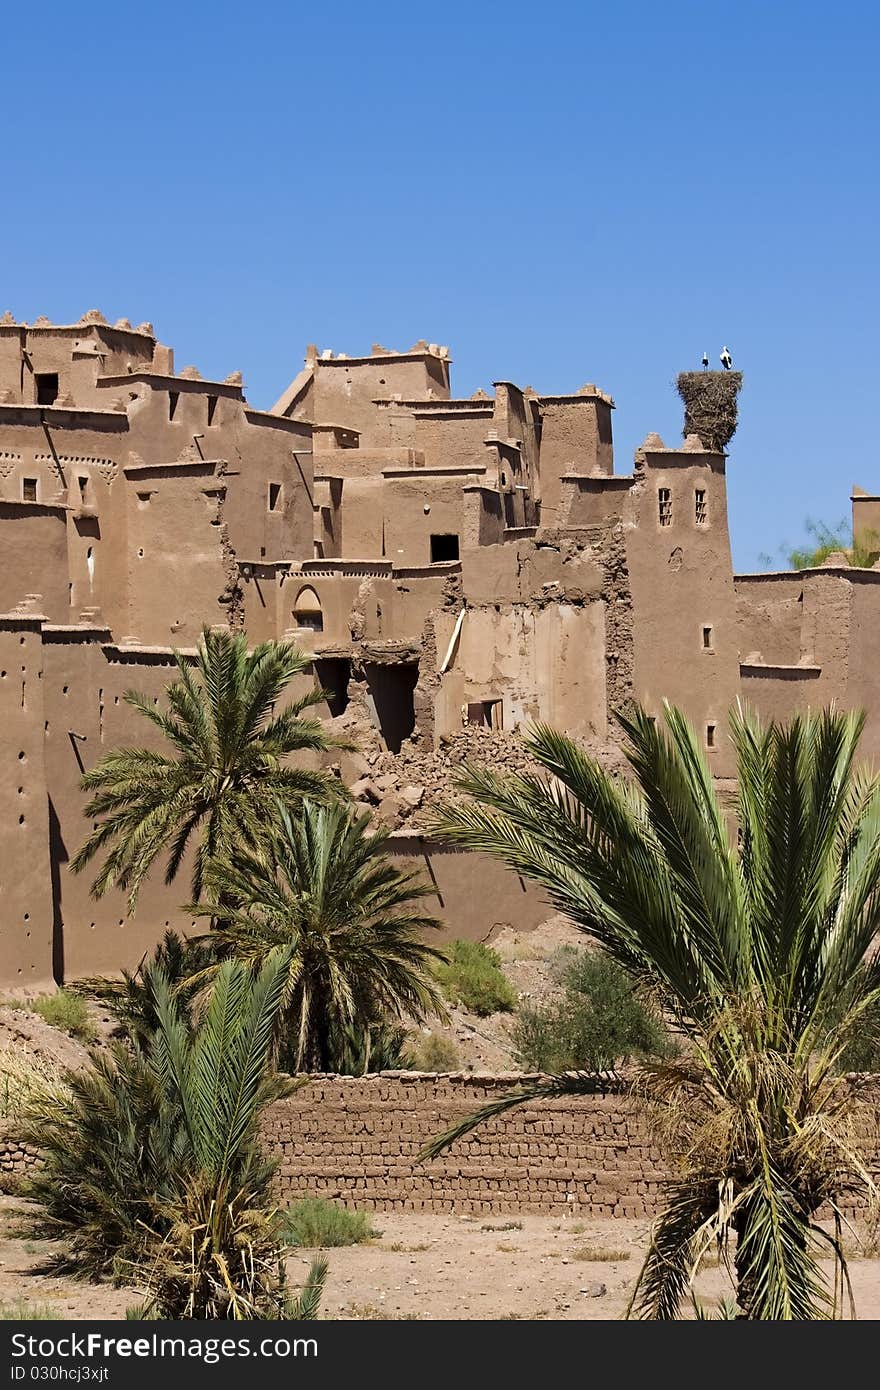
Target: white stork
[{"x": 726, "y": 359}]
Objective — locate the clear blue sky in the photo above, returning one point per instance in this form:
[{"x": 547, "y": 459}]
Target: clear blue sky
[{"x": 561, "y": 192}]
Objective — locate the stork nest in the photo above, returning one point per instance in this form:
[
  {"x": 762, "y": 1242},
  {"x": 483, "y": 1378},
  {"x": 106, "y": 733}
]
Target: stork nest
[{"x": 710, "y": 406}]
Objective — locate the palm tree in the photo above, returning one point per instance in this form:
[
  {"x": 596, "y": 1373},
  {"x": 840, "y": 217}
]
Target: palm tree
[
  {"x": 228, "y": 768},
  {"x": 218, "y": 1254},
  {"x": 130, "y": 998},
  {"x": 325, "y": 886},
  {"x": 152, "y": 1168},
  {"x": 760, "y": 947}
]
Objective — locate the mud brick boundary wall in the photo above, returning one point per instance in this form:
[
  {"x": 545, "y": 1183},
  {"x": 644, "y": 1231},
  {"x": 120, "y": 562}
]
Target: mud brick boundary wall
[{"x": 356, "y": 1139}]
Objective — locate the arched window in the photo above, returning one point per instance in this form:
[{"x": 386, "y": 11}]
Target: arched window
[{"x": 307, "y": 611}]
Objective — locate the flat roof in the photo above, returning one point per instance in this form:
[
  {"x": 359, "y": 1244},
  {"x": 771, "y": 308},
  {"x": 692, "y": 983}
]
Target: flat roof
[{"x": 856, "y": 572}]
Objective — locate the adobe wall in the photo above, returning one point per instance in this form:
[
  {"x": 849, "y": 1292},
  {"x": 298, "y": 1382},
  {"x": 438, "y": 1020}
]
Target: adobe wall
[
  {"x": 212, "y": 422},
  {"x": 62, "y": 702},
  {"x": 77, "y": 353},
  {"x": 175, "y": 574},
  {"x": 458, "y": 437},
  {"x": 352, "y": 595},
  {"x": 769, "y": 609},
  {"x": 84, "y": 680},
  {"x": 810, "y": 638},
  {"x": 475, "y": 895},
  {"x": 544, "y": 663},
  {"x": 361, "y": 528},
  {"x": 681, "y": 582},
  {"x": 26, "y": 878},
  {"x": 53, "y": 444},
  {"x": 343, "y": 390},
  {"x": 34, "y": 557},
  {"x": 542, "y": 632},
  {"x": 356, "y": 1140},
  {"x": 141, "y": 480},
  {"x": 864, "y": 656},
  {"x": 575, "y": 438},
  {"x": 777, "y": 691},
  {"x": 517, "y": 419},
  {"x": 866, "y": 520},
  {"x": 418, "y": 505}
]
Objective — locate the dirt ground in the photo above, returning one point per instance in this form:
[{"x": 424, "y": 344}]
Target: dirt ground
[{"x": 433, "y": 1268}]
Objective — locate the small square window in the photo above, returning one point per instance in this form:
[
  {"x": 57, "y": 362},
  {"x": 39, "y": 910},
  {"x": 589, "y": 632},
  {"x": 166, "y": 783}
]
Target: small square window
[
  {"x": 47, "y": 387},
  {"x": 274, "y": 496},
  {"x": 443, "y": 549},
  {"x": 707, "y": 639},
  {"x": 710, "y": 735},
  {"x": 701, "y": 511},
  {"x": 664, "y": 503},
  {"x": 29, "y": 489}
]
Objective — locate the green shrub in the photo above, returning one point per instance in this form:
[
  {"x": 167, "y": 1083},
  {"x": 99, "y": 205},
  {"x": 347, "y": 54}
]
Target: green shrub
[
  {"x": 432, "y": 1053},
  {"x": 598, "y": 1023},
  {"x": 316, "y": 1223},
  {"x": 471, "y": 976},
  {"x": 829, "y": 539},
  {"x": 68, "y": 1012},
  {"x": 560, "y": 962},
  {"x": 152, "y": 1169}
]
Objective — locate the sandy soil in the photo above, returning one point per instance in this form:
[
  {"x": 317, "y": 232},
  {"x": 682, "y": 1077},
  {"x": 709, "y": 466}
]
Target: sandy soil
[{"x": 432, "y": 1268}]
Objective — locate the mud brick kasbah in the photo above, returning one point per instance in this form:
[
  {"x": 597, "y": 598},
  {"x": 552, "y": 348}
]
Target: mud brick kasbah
[{"x": 455, "y": 569}]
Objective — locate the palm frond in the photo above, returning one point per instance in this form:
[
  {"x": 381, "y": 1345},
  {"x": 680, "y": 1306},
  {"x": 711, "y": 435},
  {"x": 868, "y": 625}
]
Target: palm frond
[{"x": 544, "y": 1088}]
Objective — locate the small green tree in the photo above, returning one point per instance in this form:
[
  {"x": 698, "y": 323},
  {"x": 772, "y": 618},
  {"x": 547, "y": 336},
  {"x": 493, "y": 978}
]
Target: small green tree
[
  {"x": 826, "y": 540},
  {"x": 152, "y": 1170},
  {"x": 131, "y": 999},
  {"x": 228, "y": 768},
  {"x": 598, "y": 1023},
  {"x": 325, "y": 886}
]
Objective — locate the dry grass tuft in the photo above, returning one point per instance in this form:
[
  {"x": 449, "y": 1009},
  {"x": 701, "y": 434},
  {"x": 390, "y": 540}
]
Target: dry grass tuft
[{"x": 600, "y": 1254}]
